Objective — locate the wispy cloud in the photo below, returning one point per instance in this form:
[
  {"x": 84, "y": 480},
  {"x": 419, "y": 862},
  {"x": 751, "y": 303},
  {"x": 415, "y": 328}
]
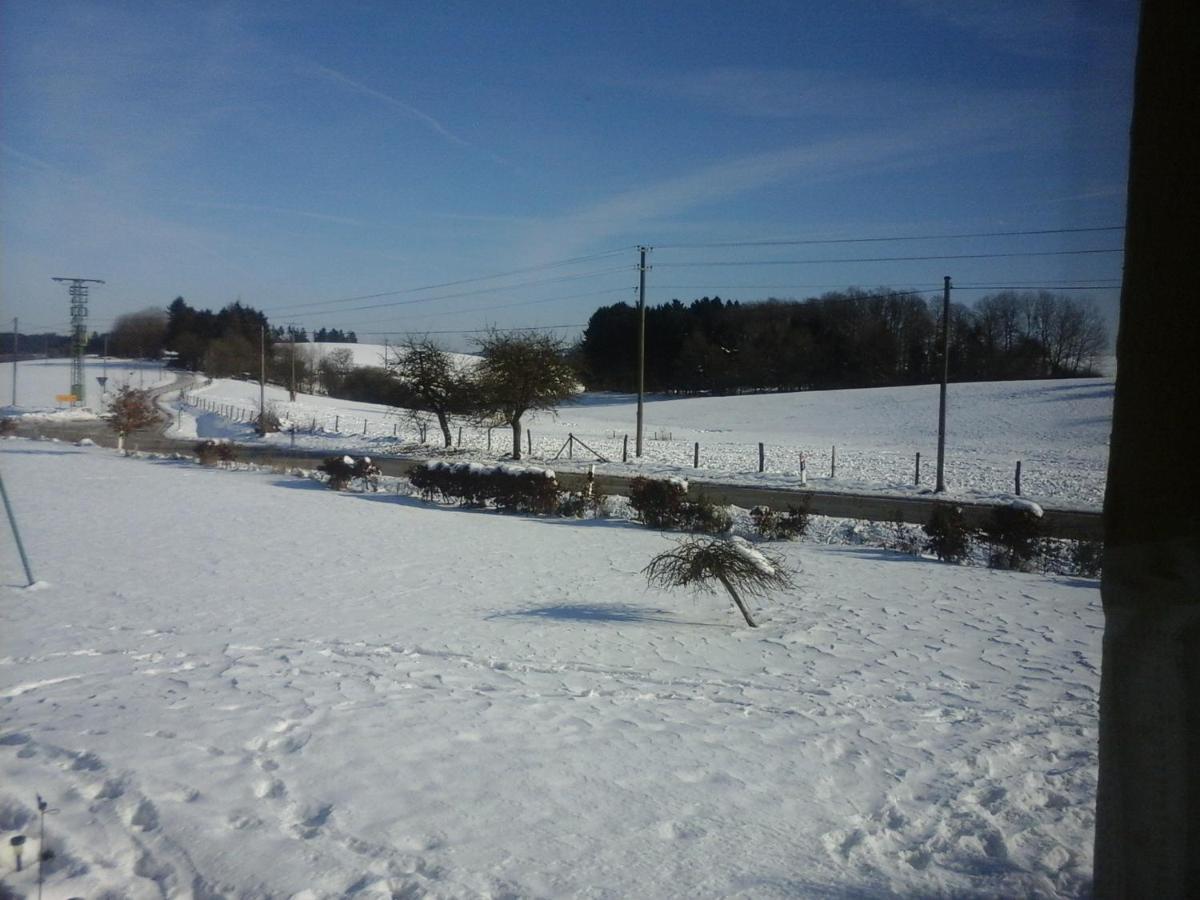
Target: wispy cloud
[
  {"x": 395, "y": 103},
  {"x": 277, "y": 210}
]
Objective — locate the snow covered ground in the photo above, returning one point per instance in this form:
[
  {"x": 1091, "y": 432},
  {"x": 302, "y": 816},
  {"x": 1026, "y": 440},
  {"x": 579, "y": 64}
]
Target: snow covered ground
[
  {"x": 1058, "y": 430},
  {"x": 39, "y": 381},
  {"x": 239, "y": 684}
]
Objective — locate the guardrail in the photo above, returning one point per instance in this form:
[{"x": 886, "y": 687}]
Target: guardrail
[{"x": 1057, "y": 522}]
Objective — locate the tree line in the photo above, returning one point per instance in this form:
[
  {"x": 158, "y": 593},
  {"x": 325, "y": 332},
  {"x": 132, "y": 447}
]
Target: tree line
[{"x": 844, "y": 339}]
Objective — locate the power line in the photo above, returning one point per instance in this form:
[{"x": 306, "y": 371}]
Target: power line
[
  {"x": 863, "y": 259},
  {"x": 455, "y": 312},
  {"x": 784, "y": 242},
  {"x": 429, "y": 287},
  {"x": 484, "y": 330},
  {"x": 289, "y": 310}
]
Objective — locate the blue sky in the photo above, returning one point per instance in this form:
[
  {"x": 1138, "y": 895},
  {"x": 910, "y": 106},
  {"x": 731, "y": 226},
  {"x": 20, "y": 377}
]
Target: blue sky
[{"x": 298, "y": 154}]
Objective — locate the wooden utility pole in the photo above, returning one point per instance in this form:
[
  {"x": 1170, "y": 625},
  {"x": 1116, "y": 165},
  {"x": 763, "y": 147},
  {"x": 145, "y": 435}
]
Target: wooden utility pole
[
  {"x": 262, "y": 378},
  {"x": 14, "y": 391},
  {"x": 641, "y": 364},
  {"x": 941, "y": 460},
  {"x": 292, "y": 389}
]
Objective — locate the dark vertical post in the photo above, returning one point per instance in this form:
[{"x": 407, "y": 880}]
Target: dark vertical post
[
  {"x": 337, "y": 423},
  {"x": 262, "y": 378},
  {"x": 1018, "y": 478},
  {"x": 761, "y": 457},
  {"x": 570, "y": 446},
  {"x": 696, "y": 456},
  {"x": 625, "y": 450},
  {"x": 917, "y": 476},
  {"x": 641, "y": 374},
  {"x": 14, "y": 391},
  {"x": 941, "y": 460},
  {"x": 1148, "y": 790},
  {"x": 833, "y": 462},
  {"x": 529, "y": 441}
]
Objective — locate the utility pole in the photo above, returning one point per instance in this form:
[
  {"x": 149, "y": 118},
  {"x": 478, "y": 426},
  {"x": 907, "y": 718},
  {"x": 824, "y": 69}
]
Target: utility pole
[
  {"x": 15, "y": 329},
  {"x": 292, "y": 388},
  {"x": 78, "y": 290},
  {"x": 262, "y": 377},
  {"x": 641, "y": 373},
  {"x": 941, "y": 460}
]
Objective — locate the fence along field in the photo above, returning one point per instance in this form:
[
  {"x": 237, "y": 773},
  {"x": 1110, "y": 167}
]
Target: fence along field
[{"x": 1057, "y": 430}]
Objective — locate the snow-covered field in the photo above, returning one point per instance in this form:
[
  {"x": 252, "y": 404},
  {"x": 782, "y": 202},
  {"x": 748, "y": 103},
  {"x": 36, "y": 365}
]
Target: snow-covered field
[
  {"x": 239, "y": 684},
  {"x": 39, "y": 381},
  {"x": 1058, "y": 430}
]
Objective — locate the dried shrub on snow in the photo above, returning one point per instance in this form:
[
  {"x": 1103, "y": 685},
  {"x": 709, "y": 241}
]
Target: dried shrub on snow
[
  {"x": 949, "y": 536},
  {"x": 342, "y": 470},
  {"x": 8, "y": 426},
  {"x": 739, "y": 567},
  {"x": 1014, "y": 532},
  {"x": 210, "y": 452},
  {"x": 774, "y": 525},
  {"x": 663, "y": 503}
]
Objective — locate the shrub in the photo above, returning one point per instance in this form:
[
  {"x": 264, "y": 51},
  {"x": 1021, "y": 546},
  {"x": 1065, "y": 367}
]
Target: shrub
[
  {"x": 211, "y": 452},
  {"x": 780, "y": 526},
  {"x": 8, "y": 426},
  {"x": 1087, "y": 558},
  {"x": 702, "y": 515},
  {"x": 658, "y": 502},
  {"x": 508, "y": 487},
  {"x": 342, "y": 470},
  {"x": 949, "y": 537},
  {"x": 1013, "y": 533},
  {"x": 663, "y": 503},
  {"x": 267, "y": 422},
  {"x": 698, "y": 562},
  {"x": 580, "y": 504}
]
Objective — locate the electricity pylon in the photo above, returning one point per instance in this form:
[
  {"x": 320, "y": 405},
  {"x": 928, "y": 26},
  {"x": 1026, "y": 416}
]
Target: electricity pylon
[{"x": 78, "y": 290}]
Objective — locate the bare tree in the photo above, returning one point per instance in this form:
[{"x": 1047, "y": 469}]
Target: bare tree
[
  {"x": 739, "y": 567},
  {"x": 433, "y": 382},
  {"x": 521, "y": 372}
]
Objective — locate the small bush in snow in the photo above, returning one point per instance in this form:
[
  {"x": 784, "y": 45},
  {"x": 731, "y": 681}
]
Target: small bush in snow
[
  {"x": 949, "y": 537},
  {"x": 8, "y": 426},
  {"x": 663, "y": 503},
  {"x": 211, "y": 452},
  {"x": 508, "y": 487},
  {"x": 700, "y": 562},
  {"x": 267, "y": 422},
  {"x": 1013, "y": 532},
  {"x": 780, "y": 526},
  {"x": 658, "y": 502},
  {"x": 1087, "y": 558},
  {"x": 342, "y": 470}
]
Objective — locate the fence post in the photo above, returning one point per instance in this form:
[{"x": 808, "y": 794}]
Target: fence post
[
  {"x": 803, "y": 469},
  {"x": 833, "y": 462},
  {"x": 460, "y": 436},
  {"x": 625, "y": 450},
  {"x": 570, "y": 445},
  {"x": 364, "y": 426},
  {"x": 395, "y": 426},
  {"x": 337, "y": 422},
  {"x": 917, "y": 477},
  {"x": 313, "y": 428},
  {"x": 529, "y": 441},
  {"x": 761, "y": 457},
  {"x": 1018, "y": 478},
  {"x": 489, "y": 439},
  {"x": 696, "y": 456}
]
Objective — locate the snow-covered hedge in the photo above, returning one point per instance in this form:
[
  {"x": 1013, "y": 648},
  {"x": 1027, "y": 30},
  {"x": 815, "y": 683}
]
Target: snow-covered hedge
[
  {"x": 505, "y": 486},
  {"x": 210, "y": 452}
]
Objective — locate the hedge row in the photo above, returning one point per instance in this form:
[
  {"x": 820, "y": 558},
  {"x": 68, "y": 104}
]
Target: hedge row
[{"x": 508, "y": 487}]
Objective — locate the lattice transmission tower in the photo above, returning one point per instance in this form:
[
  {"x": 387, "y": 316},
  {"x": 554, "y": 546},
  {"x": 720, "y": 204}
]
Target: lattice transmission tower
[{"x": 78, "y": 289}]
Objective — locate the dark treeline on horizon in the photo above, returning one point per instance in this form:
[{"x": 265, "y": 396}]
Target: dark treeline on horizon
[{"x": 846, "y": 339}]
